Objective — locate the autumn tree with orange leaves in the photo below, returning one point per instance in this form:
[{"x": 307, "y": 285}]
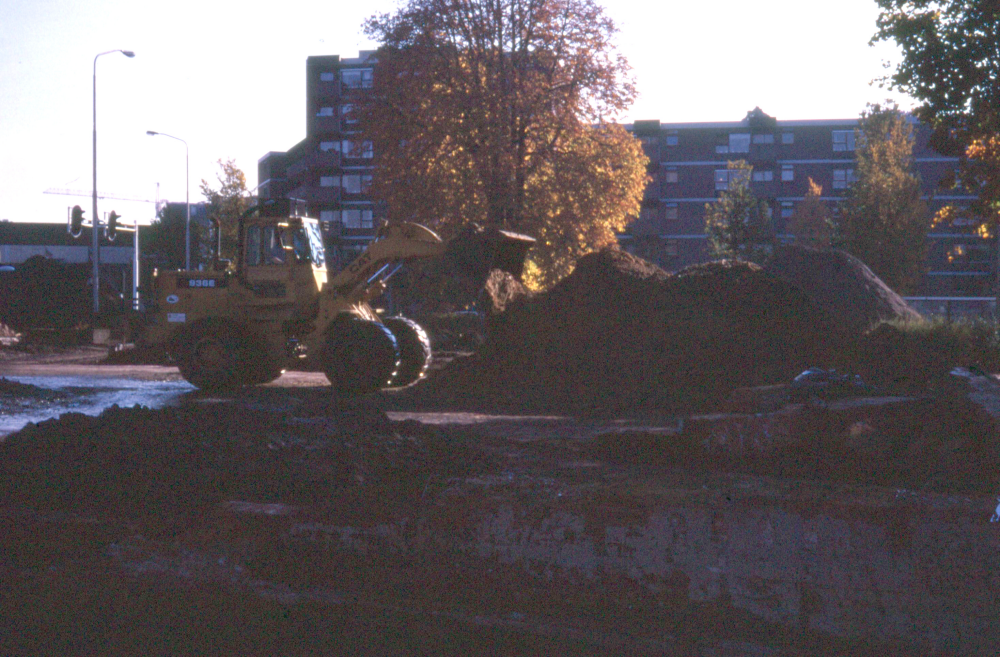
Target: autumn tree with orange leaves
[
  {"x": 501, "y": 112},
  {"x": 811, "y": 222}
]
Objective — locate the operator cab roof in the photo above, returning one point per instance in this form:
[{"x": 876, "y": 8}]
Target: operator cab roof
[{"x": 281, "y": 208}]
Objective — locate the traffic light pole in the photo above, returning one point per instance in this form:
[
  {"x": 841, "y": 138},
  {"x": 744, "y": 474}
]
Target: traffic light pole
[{"x": 95, "y": 245}]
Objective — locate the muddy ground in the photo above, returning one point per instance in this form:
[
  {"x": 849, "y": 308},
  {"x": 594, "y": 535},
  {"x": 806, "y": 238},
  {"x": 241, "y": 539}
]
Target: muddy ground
[{"x": 280, "y": 521}]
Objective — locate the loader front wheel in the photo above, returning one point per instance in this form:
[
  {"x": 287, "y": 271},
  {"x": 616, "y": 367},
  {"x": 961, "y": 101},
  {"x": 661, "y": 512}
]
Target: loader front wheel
[
  {"x": 218, "y": 356},
  {"x": 414, "y": 350},
  {"x": 360, "y": 356},
  {"x": 208, "y": 356}
]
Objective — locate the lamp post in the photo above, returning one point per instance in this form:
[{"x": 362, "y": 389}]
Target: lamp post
[
  {"x": 187, "y": 195},
  {"x": 94, "y": 223}
]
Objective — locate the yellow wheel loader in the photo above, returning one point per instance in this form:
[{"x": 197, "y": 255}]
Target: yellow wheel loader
[{"x": 279, "y": 308}]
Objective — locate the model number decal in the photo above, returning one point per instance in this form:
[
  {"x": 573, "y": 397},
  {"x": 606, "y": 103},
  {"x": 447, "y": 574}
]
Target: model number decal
[{"x": 202, "y": 282}]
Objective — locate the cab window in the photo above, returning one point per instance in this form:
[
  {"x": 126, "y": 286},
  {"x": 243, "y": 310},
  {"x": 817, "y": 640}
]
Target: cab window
[{"x": 253, "y": 246}]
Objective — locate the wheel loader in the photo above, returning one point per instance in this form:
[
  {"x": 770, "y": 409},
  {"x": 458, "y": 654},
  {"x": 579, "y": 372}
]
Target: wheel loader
[{"x": 278, "y": 307}]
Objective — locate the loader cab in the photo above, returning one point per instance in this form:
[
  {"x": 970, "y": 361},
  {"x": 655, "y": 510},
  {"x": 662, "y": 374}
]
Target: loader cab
[{"x": 282, "y": 255}]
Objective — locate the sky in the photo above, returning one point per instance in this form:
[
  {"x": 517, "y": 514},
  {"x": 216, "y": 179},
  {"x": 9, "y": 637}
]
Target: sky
[{"x": 229, "y": 80}]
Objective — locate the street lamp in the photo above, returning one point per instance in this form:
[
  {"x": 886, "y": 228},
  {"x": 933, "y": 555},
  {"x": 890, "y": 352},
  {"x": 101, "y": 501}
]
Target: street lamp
[
  {"x": 94, "y": 223},
  {"x": 187, "y": 196}
]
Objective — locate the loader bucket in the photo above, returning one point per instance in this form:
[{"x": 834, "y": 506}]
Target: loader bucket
[{"x": 476, "y": 251}]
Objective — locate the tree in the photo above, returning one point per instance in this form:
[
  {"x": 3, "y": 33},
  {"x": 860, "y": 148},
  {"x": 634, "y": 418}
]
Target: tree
[
  {"x": 882, "y": 219},
  {"x": 951, "y": 64},
  {"x": 738, "y": 223},
  {"x": 163, "y": 241},
  {"x": 227, "y": 203},
  {"x": 811, "y": 222},
  {"x": 497, "y": 112}
]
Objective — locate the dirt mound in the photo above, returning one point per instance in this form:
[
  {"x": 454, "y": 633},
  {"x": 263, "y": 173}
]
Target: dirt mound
[
  {"x": 622, "y": 334},
  {"x": 174, "y": 460},
  {"x": 841, "y": 284}
]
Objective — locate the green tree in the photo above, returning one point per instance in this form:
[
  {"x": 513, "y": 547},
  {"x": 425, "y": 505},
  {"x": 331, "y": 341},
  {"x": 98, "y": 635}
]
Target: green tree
[
  {"x": 227, "y": 203},
  {"x": 882, "y": 219},
  {"x": 500, "y": 112},
  {"x": 739, "y": 225},
  {"x": 951, "y": 65},
  {"x": 162, "y": 243}
]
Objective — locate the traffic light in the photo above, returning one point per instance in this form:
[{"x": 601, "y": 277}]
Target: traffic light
[
  {"x": 112, "y": 227},
  {"x": 76, "y": 221}
]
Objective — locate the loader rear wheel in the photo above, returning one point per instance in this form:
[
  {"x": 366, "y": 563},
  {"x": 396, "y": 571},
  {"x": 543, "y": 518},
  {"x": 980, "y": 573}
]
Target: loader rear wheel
[
  {"x": 360, "y": 356},
  {"x": 414, "y": 350},
  {"x": 219, "y": 356}
]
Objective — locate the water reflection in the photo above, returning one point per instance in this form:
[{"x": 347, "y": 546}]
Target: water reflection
[{"x": 87, "y": 395}]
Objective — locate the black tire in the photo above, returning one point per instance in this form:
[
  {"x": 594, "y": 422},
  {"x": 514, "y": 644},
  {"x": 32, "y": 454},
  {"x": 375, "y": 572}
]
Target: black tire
[
  {"x": 220, "y": 356},
  {"x": 360, "y": 356},
  {"x": 414, "y": 350}
]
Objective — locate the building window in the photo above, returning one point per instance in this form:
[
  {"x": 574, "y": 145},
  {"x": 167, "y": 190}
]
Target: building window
[
  {"x": 328, "y": 216},
  {"x": 671, "y": 139},
  {"x": 325, "y": 111},
  {"x": 347, "y": 114},
  {"x": 356, "y": 218},
  {"x": 327, "y": 76},
  {"x": 787, "y": 138},
  {"x": 787, "y": 172},
  {"x": 763, "y": 139},
  {"x": 670, "y": 248},
  {"x": 329, "y": 181},
  {"x": 670, "y": 211},
  {"x": 843, "y": 140},
  {"x": 763, "y": 176},
  {"x": 363, "y": 149},
  {"x": 352, "y": 184},
  {"x": 670, "y": 176},
  {"x": 739, "y": 142},
  {"x": 356, "y": 78},
  {"x": 327, "y": 146},
  {"x": 723, "y": 177},
  {"x": 787, "y": 209},
  {"x": 842, "y": 178}
]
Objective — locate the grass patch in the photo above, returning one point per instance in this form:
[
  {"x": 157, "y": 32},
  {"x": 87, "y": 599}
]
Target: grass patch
[{"x": 911, "y": 354}]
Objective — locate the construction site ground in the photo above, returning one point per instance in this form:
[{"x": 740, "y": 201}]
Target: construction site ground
[{"x": 278, "y": 520}]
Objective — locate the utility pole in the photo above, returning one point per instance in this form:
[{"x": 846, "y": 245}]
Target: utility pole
[{"x": 95, "y": 244}]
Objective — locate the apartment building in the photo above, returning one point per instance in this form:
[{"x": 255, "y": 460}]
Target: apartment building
[
  {"x": 689, "y": 170},
  {"x": 332, "y": 167}
]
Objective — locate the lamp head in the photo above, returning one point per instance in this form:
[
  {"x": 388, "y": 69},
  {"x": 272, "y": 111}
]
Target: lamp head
[
  {"x": 128, "y": 53},
  {"x": 152, "y": 133}
]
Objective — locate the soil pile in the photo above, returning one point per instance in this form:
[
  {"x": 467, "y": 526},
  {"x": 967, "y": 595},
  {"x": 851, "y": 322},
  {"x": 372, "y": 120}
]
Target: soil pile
[
  {"x": 178, "y": 460},
  {"x": 620, "y": 333},
  {"x": 841, "y": 284}
]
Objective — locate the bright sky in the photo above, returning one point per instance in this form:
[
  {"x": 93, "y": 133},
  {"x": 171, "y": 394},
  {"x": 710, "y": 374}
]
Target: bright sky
[{"x": 230, "y": 80}]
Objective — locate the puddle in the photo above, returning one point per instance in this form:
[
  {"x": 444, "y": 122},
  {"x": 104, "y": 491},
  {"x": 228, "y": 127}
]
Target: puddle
[{"x": 87, "y": 395}]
